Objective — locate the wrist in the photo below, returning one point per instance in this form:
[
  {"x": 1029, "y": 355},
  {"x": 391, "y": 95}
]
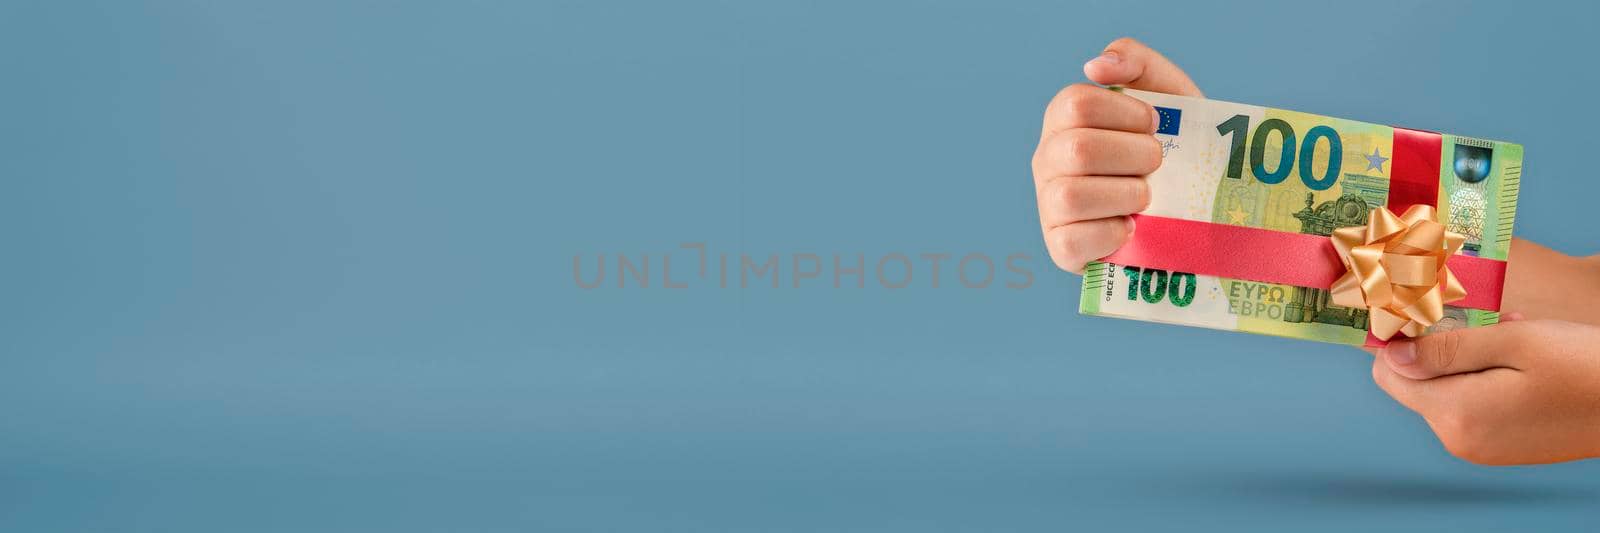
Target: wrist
[{"x": 1544, "y": 283}]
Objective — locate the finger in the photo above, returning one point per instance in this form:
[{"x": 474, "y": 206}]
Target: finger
[
  {"x": 1071, "y": 199},
  {"x": 1086, "y": 152},
  {"x": 1432, "y": 397},
  {"x": 1073, "y": 245},
  {"x": 1457, "y": 351},
  {"x": 1411, "y": 393},
  {"x": 1082, "y": 105},
  {"x": 1131, "y": 64},
  {"x": 1444, "y": 400}
]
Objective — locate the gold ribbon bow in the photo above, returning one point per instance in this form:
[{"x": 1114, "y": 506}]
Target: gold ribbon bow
[{"x": 1396, "y": 270}]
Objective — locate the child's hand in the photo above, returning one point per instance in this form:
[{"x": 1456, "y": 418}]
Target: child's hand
[
  {"x": 1095, "y": 147},
  {"x": 1522, "y": 392}
]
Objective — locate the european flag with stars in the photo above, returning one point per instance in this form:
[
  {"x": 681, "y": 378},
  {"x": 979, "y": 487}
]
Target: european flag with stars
[{"x": 1169, "y": 120}]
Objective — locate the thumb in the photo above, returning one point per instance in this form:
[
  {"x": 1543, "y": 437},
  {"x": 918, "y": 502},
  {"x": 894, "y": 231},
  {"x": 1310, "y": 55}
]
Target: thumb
[
  {"x": 1457, "y": 351},
  {"x": 1131, "y": 64}
]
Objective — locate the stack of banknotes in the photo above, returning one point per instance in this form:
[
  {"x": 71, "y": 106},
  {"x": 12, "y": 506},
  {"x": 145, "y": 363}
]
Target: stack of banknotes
[{"x": 1246, "y": 165}]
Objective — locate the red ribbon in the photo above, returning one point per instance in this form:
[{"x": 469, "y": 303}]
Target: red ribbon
[
  {"x": 1414, "y": 169},
  {"x": 1268, "y": 256},
  {"x": 1299, "y": 259}
]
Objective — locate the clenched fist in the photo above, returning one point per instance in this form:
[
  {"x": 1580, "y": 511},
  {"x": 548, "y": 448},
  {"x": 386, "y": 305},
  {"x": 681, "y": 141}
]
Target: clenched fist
[{"x": 1095, "y": 149}]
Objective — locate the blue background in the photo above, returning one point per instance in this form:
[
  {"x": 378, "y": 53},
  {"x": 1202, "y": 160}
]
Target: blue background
[{"x": 290, "y": 266}]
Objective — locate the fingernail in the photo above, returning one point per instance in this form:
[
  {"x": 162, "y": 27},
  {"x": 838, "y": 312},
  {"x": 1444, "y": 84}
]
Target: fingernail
[
  {"x": 1131, "y": 225},
  {"x": 1401, "y": 353},
  {"x": 1108, "y": 57},
  {"x": 1155, "y": 120}
]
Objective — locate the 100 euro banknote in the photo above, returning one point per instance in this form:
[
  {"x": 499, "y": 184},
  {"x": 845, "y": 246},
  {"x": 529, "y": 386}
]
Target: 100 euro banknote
[{"x": 1259, "y": 167}]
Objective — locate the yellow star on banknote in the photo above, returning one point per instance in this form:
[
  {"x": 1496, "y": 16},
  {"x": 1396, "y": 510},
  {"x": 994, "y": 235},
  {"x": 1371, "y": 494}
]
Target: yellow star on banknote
[{"x": 1236, "y": 215}]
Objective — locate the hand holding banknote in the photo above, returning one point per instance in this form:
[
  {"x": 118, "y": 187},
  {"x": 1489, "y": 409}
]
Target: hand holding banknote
[
  {"x": 1520, "y": 392},
  {"x": 1517, "y": 393},
  {"x": 1095, "y": 148}
]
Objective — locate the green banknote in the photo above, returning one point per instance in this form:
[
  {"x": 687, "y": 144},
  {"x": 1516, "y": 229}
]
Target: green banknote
[{"x": 1281, "y": 170}]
